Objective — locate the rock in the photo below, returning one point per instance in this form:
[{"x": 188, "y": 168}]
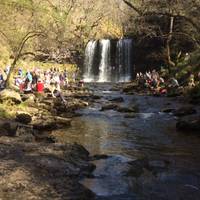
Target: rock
[
  {"x": 99, "y": 157},
  {"x": 109, "y": 107},
  {"x": 137, "y": 167},
  {"x": 131, "y": 115},
  {"x": 117, "y": 99},
  {"x": 44, "y": 137},
  {"x": 130, "y": 87},
  {"x": 63, "y": 121},
  {"x": 25, "y": 133},
  {"x": 189, "y": 125},
  {"x": 168, "y": 110},
  {"x": 45, "y": 125},
  {"x": 126, "y": 110},
  {"x": 8, "y": 129},
  {"x": 24, "y": 118},
  {"x": 11, "y": 95},
  {"x": 187, "y": 110},
  {"x": 29, "y": 98}
]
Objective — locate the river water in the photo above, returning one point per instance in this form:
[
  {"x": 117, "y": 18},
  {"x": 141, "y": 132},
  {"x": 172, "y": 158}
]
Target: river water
[{"x": 148, "y": 158}]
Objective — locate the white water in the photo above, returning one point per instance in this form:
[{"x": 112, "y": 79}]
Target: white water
[
  {"x": 124, "y": 50},
  {"x": 104, "y": 74},
  {"x": 89, "y": 59},
  {"x": 100, "y": 65}
]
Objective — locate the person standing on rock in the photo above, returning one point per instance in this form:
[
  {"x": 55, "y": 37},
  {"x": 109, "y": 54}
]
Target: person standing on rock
[{"x": 56, "y": 91}]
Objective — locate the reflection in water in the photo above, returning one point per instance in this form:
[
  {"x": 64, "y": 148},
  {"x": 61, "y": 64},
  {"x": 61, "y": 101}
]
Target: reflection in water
[{"x": 151, "y": 135}]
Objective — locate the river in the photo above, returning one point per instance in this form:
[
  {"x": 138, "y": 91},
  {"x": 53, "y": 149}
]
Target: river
[{"x": 148, "y": 158}]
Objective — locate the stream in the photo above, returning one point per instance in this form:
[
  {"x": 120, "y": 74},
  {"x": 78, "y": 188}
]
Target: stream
[{"x": 148, "y": 158}]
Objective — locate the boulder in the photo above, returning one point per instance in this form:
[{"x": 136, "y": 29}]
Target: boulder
[
  {"x": 10, "y": 95},
  {"x": 24, "y": 118},
  {"x": 187, "y": 110}
]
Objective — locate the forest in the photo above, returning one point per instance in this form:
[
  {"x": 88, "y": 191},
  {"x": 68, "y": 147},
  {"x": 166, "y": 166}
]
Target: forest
[{"x": 58, "y": 31}]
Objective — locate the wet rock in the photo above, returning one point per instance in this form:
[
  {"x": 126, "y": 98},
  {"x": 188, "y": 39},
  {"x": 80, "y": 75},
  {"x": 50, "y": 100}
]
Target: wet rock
[
  {"x": 189, "y": 125},
  {"x": 24, "y": 118},
  {"x": 136, "y": 168},
  {"x": 130, "y": 115},
  {"x": 109, "y": 107},
  {"x": 8, "y": 129},
  {"x": 10, "y": 95},
  {"x": 168, "y": 110},
  {"x": 187, "y": 110},
  {"x": 117, "y": 99},
  {"x": 99, "y": 157},
  {"x": 127, "y": 110},
  {"x": 130, "y": 87}
]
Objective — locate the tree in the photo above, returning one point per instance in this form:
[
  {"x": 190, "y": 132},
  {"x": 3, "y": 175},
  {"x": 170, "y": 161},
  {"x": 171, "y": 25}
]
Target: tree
[{"x": 181, "y": 17}]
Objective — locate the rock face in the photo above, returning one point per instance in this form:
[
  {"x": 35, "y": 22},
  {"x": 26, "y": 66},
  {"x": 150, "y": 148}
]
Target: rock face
[
  {"x": 188, "y": 125},
  {"x": 11, "y": 95}
]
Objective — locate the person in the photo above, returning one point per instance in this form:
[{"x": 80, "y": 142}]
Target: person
[
  {"x": 173, "y": 83},
  {"x": 191, "y": 82},
  {"x": 2, "y": 79},
  {"x": 28, "y": 82},
  {"x": 39, "y": 86},
  {"x": 56, "y": 91}
]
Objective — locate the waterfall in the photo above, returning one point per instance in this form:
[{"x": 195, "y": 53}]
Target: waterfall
[
  {"x": 109, "y": 60},
  {"x": 89, "y": 60},
  {"x": 104, "y": 68},
  {"x": 124, "y": 60}
]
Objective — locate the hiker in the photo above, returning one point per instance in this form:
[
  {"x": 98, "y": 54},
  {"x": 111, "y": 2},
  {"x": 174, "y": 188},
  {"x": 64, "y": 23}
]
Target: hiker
[{"x": 56, "y": 91}]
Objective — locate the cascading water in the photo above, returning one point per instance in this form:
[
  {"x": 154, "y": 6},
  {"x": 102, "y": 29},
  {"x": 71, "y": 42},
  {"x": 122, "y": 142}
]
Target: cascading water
[
  {"x": 124, "y": 47},
  {"x": 89, "y": 60},
  {"x": 107, "y": 61},
  {"x": 104, "y": 75}
]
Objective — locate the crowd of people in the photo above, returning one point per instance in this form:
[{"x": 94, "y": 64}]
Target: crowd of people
[
  {"x": 153, "y": 81},
  {"x": 38, "y": 79}
]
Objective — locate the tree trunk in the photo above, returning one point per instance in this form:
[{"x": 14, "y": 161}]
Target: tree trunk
[
  {"x": 9, "y": 77},
  {"x": 169, "y": 38}
]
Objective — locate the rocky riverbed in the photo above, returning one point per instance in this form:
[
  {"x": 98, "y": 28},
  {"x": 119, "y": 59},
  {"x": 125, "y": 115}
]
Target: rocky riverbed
[{"x": 140, "y": 145}]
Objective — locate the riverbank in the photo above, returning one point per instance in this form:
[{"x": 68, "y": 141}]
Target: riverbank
[{"x": 33, "y": 164}]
